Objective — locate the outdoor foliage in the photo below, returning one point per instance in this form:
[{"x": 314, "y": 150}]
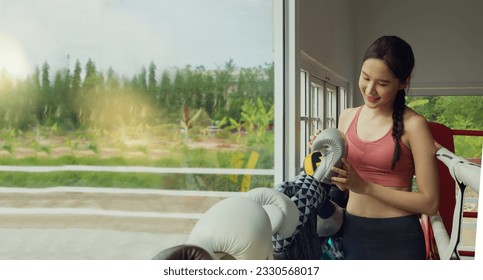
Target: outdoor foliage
[
  {"x": 456, "y": 112},
  {"x": 86, "y": 98},
  {"x": 85, "y": 116}
]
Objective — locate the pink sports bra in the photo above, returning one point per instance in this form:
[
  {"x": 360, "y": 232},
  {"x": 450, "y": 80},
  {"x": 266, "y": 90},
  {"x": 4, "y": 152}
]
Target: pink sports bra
[{"x": 372, "y": 159}]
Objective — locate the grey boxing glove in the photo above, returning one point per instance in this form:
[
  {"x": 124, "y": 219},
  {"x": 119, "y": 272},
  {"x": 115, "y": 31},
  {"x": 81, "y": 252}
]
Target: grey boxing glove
[
  {"x": 329, "y": 218},
  {"x": 332, "y": 145}
]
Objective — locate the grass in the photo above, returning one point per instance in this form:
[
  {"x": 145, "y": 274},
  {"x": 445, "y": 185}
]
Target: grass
[
  {"x": 129, "y": 180},
  {"x": 175, "y": 153}
]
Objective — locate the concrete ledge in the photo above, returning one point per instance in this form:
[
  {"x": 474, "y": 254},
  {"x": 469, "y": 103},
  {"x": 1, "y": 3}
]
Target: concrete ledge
[
  {"x": 66, "y": 223},
  {"x": 82, "y": 244},
  {"x": 97, "y": 222}
]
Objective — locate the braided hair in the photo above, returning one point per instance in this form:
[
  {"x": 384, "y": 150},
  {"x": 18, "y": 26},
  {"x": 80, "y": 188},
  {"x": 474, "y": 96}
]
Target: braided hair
[{"x": 398, "y": 55}]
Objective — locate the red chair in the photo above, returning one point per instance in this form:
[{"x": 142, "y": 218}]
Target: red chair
[
  {"x": 447, "y": 186},
  {"x": 442, "y": 232}
]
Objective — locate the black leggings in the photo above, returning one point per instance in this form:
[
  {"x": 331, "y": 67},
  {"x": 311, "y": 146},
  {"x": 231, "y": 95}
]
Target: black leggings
[{"x": 399, "y": 238}]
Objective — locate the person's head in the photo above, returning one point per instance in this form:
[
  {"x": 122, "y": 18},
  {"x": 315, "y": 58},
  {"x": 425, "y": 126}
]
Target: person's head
[{"x": 386, "y": 72}]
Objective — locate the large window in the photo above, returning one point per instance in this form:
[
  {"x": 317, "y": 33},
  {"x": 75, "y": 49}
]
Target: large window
[
  {"x": 123, "y": 121},
  {"x": 183, "y": 88}
]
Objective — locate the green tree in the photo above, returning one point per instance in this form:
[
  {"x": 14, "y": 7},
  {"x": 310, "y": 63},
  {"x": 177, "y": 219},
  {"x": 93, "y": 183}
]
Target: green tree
[
  {"x": 73, "y": 101},
  {"x": 209, "y": 96},
  {"x": 76, "y": 79},
  {"x": 175, "y": 100},
  {"x": 59, "y": 99},
  {"x": 164, "y": 90},
  {"x": 266, "y": 84},
  {"x": 45, "y": 111},
  {"x": 91, "y": 78},
  {"x": 152, "y": 83},
  {"x": 195, "y": 87},
  {"x": 113, "y": 83},
  {"x": 223, "y": 87},
  {"x": 139, "y": 81},
  {"x": 456, "y": 112}
]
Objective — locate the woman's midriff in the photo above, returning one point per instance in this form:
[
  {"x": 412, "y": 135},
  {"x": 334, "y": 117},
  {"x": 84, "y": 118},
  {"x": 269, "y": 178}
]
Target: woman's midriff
[{"x": 370, "y": 207}]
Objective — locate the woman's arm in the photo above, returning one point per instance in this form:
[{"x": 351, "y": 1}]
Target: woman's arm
[{"x": 423, "y": 148}]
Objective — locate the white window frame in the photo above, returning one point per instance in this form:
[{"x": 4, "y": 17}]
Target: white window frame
[{"x": 328, "y": 86}]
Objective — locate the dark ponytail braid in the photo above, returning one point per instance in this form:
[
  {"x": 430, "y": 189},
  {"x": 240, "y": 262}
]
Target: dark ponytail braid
[
  {"x": 398, "y": 55},
  {"x": 398, "y": 124}
]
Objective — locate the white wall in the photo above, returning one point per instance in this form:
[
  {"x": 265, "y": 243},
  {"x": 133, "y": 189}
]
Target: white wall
[
  {"x": 325, "y": 34},
  {"x": 446, "y": 36}
]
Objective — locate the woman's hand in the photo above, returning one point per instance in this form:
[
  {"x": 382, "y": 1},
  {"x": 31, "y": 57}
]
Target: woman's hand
[{"x": 348, "y": 178}]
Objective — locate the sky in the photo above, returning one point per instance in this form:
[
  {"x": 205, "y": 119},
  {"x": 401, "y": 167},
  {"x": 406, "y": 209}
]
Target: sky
[{"x": 128, "y": 34}]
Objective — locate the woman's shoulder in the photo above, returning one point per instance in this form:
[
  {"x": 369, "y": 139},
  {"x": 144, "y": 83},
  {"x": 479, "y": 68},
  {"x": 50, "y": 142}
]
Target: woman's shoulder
[
  {"x": 417, "y": 128},
  {"x": 413, "y": 120},
  {"x": 418, "y": 132},
  {"x": 346, "y": 117}
]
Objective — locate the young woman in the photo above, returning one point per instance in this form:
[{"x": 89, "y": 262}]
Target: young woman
[{"x": 388, "y": 143}]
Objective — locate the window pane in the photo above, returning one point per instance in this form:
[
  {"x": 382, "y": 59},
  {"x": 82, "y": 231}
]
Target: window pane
[
  {"x": 304, "y": 112},
  {"x": 331, "y": 106},
  {"x": 317, "y": 103},
  {"x": 165, "y": 84},
  {"x": 303, "y": 94},
  {"x": 343, "y": 99}
]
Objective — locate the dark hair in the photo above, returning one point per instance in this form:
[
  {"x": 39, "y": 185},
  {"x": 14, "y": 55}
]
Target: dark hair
[{"x": 398, "y": 55}]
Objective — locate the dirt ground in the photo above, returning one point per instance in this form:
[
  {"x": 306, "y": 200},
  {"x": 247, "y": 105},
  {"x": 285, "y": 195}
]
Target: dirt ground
[{"x": 153, "y": 149}]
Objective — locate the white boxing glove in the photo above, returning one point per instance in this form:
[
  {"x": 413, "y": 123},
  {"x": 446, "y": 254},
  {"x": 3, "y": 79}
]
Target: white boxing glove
[
  {"x": 331, "y": 143},
  {"x": 235, "y": 228},
  {"x": 281, "y": 210},
  {"x": 461, "y": 169}
]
